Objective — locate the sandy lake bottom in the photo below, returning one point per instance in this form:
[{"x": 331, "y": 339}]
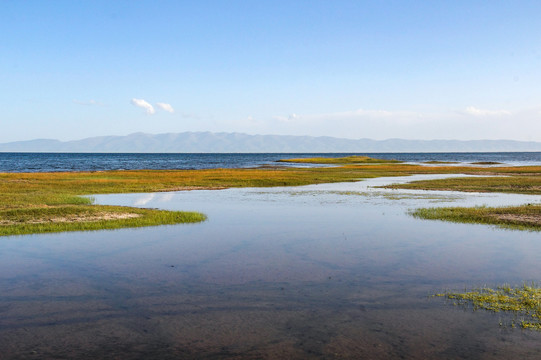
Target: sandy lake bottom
[{"x": 321, "y": 271}]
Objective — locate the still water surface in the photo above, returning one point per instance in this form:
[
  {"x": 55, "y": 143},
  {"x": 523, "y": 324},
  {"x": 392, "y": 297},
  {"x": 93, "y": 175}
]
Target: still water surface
[
  {"x": 39, "y": 162},
  {"x": 320, "y": 271}
]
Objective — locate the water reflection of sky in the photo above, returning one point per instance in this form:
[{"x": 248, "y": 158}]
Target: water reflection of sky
[{"x": 332, "y": 270}]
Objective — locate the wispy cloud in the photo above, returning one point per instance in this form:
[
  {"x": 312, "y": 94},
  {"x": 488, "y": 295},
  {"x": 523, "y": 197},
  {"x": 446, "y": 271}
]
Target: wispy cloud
[
  {"x": 353, "y": 114},
  {"x": 166, "y": 107},
  {"x": 149, "y": 109},
  {"x": 465, "y": 124},
  {"x": 472, "y": 110}
]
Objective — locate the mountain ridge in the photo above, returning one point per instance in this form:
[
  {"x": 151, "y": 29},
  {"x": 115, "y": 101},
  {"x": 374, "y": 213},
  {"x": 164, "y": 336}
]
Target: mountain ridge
[{"x": 222, "y": 142}]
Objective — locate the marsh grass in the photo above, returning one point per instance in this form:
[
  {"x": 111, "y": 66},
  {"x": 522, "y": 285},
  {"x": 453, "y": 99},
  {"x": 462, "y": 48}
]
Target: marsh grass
[
  {"x": 523, "y": 302},
  {"x": 354, "y": 159},
  {"x": 524, "y": 217},
  {"x": 50, "y": 202},
  {"x": 79, "y": 218},
  {"x": 516, "y": 184},
  {"x": 486, "y": 163},
  {"x": 60, "y": 192}
]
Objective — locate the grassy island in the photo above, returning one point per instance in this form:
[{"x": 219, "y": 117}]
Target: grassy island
[
  {"x": 525, "y": 217},
  {"x": 51, "y": 202},
  {"x": 517, "y": 183},
  {"x": 354, "y": 159}
]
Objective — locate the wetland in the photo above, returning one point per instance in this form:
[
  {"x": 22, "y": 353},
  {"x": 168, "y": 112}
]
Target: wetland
[{"x": 332, "y": 267}]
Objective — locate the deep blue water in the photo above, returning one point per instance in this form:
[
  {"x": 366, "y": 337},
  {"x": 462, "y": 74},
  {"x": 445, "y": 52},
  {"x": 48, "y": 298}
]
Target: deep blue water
[{"x": 37, "y": 162}]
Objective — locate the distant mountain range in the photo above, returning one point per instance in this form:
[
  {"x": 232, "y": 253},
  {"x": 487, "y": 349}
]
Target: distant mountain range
[{"x": 207, "y": 142}]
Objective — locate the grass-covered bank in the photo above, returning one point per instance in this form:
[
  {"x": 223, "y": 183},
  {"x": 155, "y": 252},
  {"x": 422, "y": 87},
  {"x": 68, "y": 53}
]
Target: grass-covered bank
[
  {"x": 515, "y": 183},
  {"x": 524, "y": 217},
  {"x": 354, "y": 159},
  {"x": 47, "y": 202},
  {"x": 513, "y": 180},
  {"x": 84, "y": 217}
]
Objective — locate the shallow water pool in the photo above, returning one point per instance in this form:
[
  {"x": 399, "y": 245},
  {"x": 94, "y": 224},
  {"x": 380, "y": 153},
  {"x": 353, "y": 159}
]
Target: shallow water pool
[{"x": 320, "y": 271}]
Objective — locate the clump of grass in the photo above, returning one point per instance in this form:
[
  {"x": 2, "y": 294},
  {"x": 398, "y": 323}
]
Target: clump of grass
[
  {"x": 523, "y": 302},
  {"x": 524, "y": 217},
  {"x": 354, "y": 159},
  {"x": 486, "y": 163}
]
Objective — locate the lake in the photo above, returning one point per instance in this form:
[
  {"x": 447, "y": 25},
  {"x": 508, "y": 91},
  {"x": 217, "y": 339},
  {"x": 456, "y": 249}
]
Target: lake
[
  {"x": 38, "y": 162},
  {"x": 319, "y": 271}
]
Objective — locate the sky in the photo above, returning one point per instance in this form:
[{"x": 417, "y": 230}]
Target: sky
[{"x": 352, "y": 69}]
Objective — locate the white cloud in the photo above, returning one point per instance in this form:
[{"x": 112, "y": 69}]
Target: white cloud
[
  {"x": 149, "y": 109},
  {"x": 166, "y": 107},
  {"x": 472, "y": 110}
]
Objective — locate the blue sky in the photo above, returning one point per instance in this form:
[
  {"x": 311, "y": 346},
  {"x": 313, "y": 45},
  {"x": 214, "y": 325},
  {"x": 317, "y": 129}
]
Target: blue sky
[{"x": 355, "y": 69}]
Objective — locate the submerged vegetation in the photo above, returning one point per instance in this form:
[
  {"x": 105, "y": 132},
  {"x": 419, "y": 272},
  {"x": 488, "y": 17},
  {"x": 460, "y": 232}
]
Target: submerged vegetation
[
  {"x": 47, "y": 202},
  {"x": 524, "y": 302}
]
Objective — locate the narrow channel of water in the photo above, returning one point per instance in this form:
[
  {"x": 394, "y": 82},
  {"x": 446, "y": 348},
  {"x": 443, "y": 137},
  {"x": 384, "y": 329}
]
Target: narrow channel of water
[{"x": 322, "y": 271}]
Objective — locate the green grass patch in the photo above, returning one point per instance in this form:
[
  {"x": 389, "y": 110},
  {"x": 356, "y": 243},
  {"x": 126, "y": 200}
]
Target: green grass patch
[
  {"x": 78, "y": 218},
  {"x": 517, "y": 184},
  {"x": 523, "y": 302},
  {"x": 524, "y": 217},
  {"x": 354, "y": 159}
]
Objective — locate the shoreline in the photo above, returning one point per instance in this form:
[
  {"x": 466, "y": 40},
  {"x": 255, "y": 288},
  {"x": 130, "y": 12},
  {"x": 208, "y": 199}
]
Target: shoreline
[{"x": 33, "y": 202}]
